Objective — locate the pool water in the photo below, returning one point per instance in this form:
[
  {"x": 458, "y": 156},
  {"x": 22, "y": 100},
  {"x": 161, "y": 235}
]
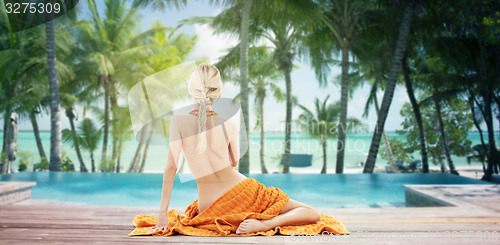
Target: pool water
[{"x": 322, "y": 191}]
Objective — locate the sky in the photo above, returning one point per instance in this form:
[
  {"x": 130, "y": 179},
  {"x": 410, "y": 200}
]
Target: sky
[{"x": 304, "y": 83}]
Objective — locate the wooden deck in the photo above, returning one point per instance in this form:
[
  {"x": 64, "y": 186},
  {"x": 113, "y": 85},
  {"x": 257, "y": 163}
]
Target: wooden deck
[{"x": 71, "y": 224}]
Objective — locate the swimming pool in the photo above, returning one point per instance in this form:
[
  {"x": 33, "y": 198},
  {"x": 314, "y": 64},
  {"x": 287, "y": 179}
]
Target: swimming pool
[{"x": 322, "y": 191}]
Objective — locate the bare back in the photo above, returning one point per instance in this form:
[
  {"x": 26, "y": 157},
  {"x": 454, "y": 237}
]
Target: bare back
[{"x": 212, "y": 169}]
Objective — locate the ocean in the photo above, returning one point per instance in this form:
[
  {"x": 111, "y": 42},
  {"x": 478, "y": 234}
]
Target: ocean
[{"x": 356, "y": 151}]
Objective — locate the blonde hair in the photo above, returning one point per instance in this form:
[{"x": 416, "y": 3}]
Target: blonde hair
[{"x": 204, "y": 86}]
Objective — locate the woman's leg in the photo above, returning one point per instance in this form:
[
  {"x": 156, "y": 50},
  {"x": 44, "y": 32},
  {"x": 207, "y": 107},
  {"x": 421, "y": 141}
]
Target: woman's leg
[{"x": 294, "y": 213}]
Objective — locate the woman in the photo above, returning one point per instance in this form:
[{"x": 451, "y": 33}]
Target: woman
[{"x": 210, "y": 146}]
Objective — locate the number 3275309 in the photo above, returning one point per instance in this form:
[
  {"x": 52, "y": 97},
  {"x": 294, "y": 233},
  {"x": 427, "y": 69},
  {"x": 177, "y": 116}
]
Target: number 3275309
[{"x": 41, "y": 8}]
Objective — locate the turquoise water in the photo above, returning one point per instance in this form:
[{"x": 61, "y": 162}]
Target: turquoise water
[
  {"x": 322, "y": 191},
  {"x": 356, "y": 150}
]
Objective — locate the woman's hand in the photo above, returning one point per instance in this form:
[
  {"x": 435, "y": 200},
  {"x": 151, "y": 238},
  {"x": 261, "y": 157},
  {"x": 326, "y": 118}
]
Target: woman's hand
[{"x": 162, "y": 223}]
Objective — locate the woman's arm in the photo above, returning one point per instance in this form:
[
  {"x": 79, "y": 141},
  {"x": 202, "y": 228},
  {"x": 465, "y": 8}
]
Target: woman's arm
[
  {"x": 174, "y": 148},
  {"x": 168, "y": 181}
]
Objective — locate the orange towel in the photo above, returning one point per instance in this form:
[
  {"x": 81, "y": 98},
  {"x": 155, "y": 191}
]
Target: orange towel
[{"x": 249, "y": 199}]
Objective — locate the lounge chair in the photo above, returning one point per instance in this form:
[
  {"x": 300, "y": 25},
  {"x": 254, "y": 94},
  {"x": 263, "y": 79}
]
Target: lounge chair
[{"x": 414, "y": 165}]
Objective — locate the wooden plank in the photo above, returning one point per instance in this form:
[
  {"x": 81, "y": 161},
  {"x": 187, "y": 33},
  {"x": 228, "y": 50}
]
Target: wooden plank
[
  {"x": 62, "y": 226},
  {"x": 150, "y": 239},
  {"x": 373, "y": 238},
  {"x": 44, "y": 224},
  {"x": 423, "y": 227}
]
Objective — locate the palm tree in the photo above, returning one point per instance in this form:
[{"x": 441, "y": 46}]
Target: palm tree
[
  {"x": 373, "y": 54},
  {"x": 344, "y": 19},
  {"x": 418, "y": 114},
  {"x": 372, "y": 99},
  {"x": 338, "y": 30},
  {"x": 125, "y": 132},
  {"x": 21, "y": 66},
  {"x": 262, "y": 71},
  {"x": 244, "y": 26},
  {"x": 89, "y": 138},
  {"x": 104, "y": 39},
  {"x": 408, "y": 8},
  {"x": 116, "y": 50},
  {"x": 134, "y": 164},
  {"x": 172, "y": 49},
  {"x": 436, "y": 98},
  {"x": 24, "y": 60},
  {"x": 36, "y": 132},
  {"x": 236, "y": 19},
  {"x": 444, "y": 138},
  {"x": 283, "y": 24},
  {"x": 261, "y": 87},
  {"x": 75, "y": 90},
  {"x": 70, "y": 135},
  {"x": 321, "y": 123},
  {"x": 286, "y": 32},
  {"x": 55, "y": 109}
]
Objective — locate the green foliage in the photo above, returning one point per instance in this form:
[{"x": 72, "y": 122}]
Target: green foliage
[
  {"x": 457, "y": 122},
  {"x": 42, "y": 165},
  {"x": 480, "y": 153},
  {"x": 107, "y": 165},
  {"x": 400, "y": 150},
  {"x": 90, "y": 135},
  {"x": 22, "y": 167},
  {"x": 66, "y": 163},
  {"x": 25, "y": 158},
  {"x": 322, "y": 122}
]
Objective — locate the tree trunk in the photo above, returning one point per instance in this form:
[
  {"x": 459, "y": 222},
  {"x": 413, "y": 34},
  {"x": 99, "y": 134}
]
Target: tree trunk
[
  {"x": 263, "y": 168},
  {"x": 244, "y": 164},
  {"x": 323, "y": 144},
  {"x": 146, "y": 148},
  {"x": 288, "y": 121},
  {"x": 55, "y": 110},
  {"x": 392, "y": 161},
  {"x": 444, "y": 138},
  {"x": 5, "y": 125},
  {"x": 7, "y": 112},
  {"x": 119, "y": 157},
  {"x": 441, "y": 161},
  {"x": 418, "y": 115},
  {"x": 3, "y": 155},
  {"x": 71, "y": 117},
  {"x": 476, "y": 124},
  {"x": 488, "y": 117},
  {"x": 36, "y": 131},
  {"x": 342, "y": 128},
  {"x": 492, "y": 155},
  {"x": 137, "y": 155},
  {"x": 92, "y": 162},
  {"x": 390, "y": 87},
  {"x": 114, "y": 104},
  {"x": 106, "y": 120}
]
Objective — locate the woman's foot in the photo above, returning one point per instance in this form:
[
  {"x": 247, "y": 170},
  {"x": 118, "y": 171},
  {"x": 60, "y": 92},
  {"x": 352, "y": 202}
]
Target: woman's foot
[{"x": 252, "y": 225}]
